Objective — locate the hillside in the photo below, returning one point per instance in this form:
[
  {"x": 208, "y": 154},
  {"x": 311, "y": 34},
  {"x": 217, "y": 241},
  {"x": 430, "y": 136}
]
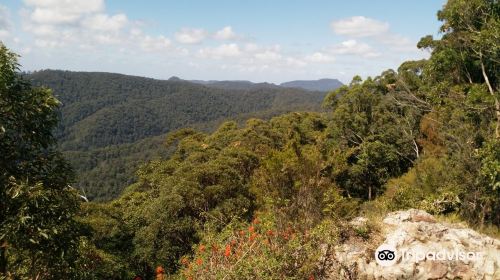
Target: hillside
[
  {"x": 279, "y": 198},
  {"x": 238, "y": 85},
  {"x": 109, "y": 122},
  {"x": 314, "y": 85},
  {"x": 321, "y": 85},
  {"x": 396, "y": 177}
]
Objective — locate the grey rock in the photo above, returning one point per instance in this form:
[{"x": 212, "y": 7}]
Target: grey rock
[{"x": 417, "y": 232}]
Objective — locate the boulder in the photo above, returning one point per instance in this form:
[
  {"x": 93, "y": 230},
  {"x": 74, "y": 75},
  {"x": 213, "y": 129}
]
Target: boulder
[{"x": 425, "y": 249}]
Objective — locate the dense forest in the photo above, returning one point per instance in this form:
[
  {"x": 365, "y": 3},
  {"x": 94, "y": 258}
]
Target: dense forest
[
  {"x": 258, "y": 200},
  {"x": 111, "y": 123},
  {"x": 321, "y": 84}
]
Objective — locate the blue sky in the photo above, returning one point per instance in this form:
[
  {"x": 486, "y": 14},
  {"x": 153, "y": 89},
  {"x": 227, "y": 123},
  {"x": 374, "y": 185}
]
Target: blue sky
[{"x": 272, "y": 41}]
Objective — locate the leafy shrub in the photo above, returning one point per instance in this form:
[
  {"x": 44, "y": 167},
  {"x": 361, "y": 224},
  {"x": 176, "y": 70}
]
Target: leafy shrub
[{"x": 259, "y": 250}]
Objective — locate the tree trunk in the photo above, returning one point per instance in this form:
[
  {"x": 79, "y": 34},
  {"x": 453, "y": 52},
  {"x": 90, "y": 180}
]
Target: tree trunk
[
  {"x": 416, "y": 148},
  {"x": 33, "y": 267},
  {"x": 3, "y": 259},
  {"x": 369, "y": 192},
  {"x": 492, "y": 92}
]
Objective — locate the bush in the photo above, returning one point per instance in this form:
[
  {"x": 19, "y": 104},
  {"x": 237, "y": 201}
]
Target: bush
[{"x": 259, "y": 250}]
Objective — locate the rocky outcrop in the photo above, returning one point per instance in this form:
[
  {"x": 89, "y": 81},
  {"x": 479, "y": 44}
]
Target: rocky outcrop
[{"x": 424, "y": 249}]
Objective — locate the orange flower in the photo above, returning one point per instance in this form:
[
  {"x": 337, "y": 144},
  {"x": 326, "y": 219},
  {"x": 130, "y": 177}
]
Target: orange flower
[
  {"x": 311, "y": 277},
  {"x": 285, "y": 235},
  {"x": 270, "y": 233},
  {"x": 256, "y": 221},
  {"x": 242, "y": 232},
  {"x": 251, "y": 229},
  {"x": 202, "y": 248},
  {"x": 253, "y": 236},
  {"x": 160, "y": 270},
  {"x": 184, "y": 261},
  {"x": 199, "y": 261},
  {"x": 227, "y": 252}
]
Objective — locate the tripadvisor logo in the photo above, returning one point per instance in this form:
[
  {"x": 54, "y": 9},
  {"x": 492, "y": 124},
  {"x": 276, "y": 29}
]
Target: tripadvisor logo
[
  {"x": 386, "y": 255},
  {"x": 443, "y": 255}
]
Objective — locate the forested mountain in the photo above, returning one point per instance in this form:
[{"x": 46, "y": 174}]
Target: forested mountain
[
  {"x": 100, "y": 109},
  {"x": 322, "y": 85},
  {"x": 274, "y": 198},
  {"x": 238, "y": 85},
  {"x": 110, "y": 123},
  {"x": 266, "y": 199},
  {"x": 314, "y": 85}
]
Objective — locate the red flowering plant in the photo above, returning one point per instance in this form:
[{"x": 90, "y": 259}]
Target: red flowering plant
[{"x": 257, "y": 250}]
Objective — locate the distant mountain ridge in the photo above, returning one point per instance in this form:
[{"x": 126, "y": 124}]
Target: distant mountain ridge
[
  {"x": 314, "y": 85},
  {"x": 110, "y": 122},
  {"x": 323, "y": 85},
  {"x": 235, "y": 84}
]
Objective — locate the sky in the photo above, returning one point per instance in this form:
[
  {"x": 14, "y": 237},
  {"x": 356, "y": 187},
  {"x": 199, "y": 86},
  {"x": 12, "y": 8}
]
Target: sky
[{"x": 258, "y": 40}]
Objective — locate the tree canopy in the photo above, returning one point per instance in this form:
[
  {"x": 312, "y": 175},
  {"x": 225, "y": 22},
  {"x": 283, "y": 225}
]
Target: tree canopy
[
  {"x": 38, "y": 232},
  {"x": 259, "y": 199}
]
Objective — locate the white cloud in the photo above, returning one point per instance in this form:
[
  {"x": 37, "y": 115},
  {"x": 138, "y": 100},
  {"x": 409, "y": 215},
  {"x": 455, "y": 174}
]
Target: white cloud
[
  {"x": 268, "y": 55},
  {"x": 319, "y": 57},
  {"x": 292, "y": 61},
  {"x": 159, "y": 43},
  {"x": 252, "y": 58},
  {"x": 47, "y": 43},
  {"x": 398, "y": 43},
  {"x": 59, "y": 12},
  {"x": 105, "y": 23},
  {"x": 107, "y": 39},
  {"x": 353, "y": 47},
  {"x": 78, "y": 29},
  {"x": 359, "y": 26},
  {"x": 4, "y": 18},
  {"x": 225, "y": 33},
  {"x": 44, "y": 30},
  {"x": 86, "y": 25},
  {"x": 251, "y": 47},
  {"x": 4, "y": 33},
  {"x": 26, "y": 50},
  {"x": 224, "y": 50},
  {"x": 5, "y": 22},
  {"x": 190, "y": 36}
]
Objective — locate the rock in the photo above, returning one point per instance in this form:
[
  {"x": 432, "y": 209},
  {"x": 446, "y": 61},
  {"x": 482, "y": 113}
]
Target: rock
[
  {"x": 412, "y": 215},
  {"x": 358, "y": 222},
  {"x": 425, "y": 249},
  {"x": 434, "y": 270},
  {"x": 460, "y": 271}
]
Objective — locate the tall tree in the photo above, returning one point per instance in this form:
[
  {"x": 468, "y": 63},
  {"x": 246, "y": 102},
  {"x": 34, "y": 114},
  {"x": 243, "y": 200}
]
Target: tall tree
[
  {"x": 38, "y": 235},
  {"x": 469, "y": 50},
  {"x": 375, "y": 131}
]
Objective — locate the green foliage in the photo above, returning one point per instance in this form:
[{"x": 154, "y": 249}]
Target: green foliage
[
  {"x": 112, "y": 123},
  {"x": 262, "y": 249},
  {"x": 419, "y": 137},
  {"x": 38, "y": 233},
  {"x": 260, "y": 200},
  {"x": 377, "y": 133}
]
